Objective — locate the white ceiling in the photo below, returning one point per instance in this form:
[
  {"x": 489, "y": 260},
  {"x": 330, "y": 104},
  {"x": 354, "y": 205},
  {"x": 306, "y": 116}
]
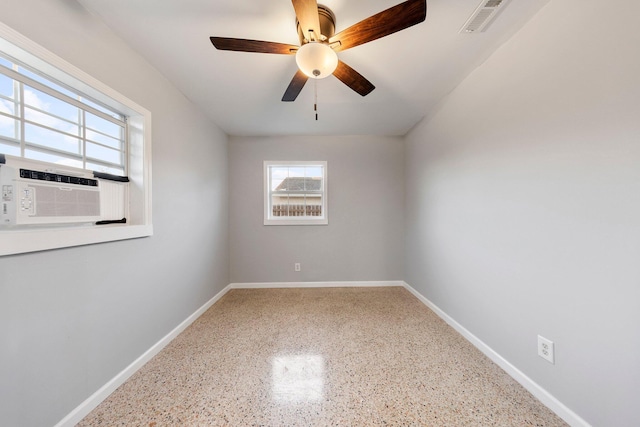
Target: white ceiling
[{"x": 241, "y": 92}]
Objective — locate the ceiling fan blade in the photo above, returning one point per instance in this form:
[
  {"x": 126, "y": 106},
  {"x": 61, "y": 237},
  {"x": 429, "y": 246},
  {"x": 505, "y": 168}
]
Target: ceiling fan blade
[
  {"x": 296, "y": 85},
  {"x": 258, "y": 46},
  {"x": 307, "y": 14},
  {"x": 353, "y": 79},
  {"x": 394, "y": 19}
]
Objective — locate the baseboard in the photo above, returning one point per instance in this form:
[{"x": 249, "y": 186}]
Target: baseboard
[
  {"x": 540, "y": 393},
  {"x": 96, "y": 398},
  {"x": 274, "y": 285},
  {"x": 534, "y": 388}
]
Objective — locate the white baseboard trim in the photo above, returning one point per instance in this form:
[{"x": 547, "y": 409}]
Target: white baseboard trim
[
  {"x": 103, "y": 392},
  {"x": 534, "y": 388},
  {"x": 274, "y": 285}
]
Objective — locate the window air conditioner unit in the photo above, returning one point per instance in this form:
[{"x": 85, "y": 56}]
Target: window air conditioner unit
[{"x": 39, "y": 197}]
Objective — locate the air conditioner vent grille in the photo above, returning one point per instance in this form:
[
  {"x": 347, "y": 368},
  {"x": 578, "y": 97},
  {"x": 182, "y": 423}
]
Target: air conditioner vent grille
[
  {"x": 483, "y": 16},
  {"x": 493, "y": 3},
  {"x": 53, "y": 202}
]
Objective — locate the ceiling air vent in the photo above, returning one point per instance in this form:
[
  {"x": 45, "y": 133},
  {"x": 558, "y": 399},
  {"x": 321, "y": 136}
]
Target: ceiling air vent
[{"x": 482, "y": 16}]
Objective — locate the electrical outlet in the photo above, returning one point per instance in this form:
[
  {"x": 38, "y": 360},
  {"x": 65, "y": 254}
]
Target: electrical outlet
[
  {"x": 296, "y": 266},
  {"x": 545, "y": 349}
]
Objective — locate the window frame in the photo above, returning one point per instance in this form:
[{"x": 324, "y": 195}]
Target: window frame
[
  {"x": 139, "y": 224},
  {"x": 83, "y": 128},
  {"x": 268, "y": 217}
]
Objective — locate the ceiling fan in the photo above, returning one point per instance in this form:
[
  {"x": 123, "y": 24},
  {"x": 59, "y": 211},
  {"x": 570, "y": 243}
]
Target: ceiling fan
[{"x": 316, "y": 56}]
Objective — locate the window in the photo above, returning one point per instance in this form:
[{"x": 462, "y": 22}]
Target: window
[
  {"x": 42, "y": 120},
  {"x": 57, "y": 119},
  {"x": 295, "y": 193}
]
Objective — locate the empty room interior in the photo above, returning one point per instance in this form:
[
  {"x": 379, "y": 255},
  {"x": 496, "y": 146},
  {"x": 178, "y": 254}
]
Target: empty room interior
[{"x": 443, "y": 231}]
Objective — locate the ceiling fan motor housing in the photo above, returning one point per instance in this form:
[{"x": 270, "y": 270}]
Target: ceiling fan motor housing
[{"x": 327, "y": 26}]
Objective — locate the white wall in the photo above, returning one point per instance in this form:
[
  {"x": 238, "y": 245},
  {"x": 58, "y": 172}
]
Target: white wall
[
  {"x": 522, "y": 217},
  {"x": 71, "y": 319},
  {"x": 523, "y": 205},
  {"x": 363, "y": 240}
]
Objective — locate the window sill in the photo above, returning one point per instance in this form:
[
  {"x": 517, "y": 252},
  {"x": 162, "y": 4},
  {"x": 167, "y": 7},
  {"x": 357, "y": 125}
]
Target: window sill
[
  {"x": 20, "y": 241},
  {"x": 289, "y": 221}
]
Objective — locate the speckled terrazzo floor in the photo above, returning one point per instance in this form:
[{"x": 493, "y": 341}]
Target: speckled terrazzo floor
[{"x": 320, "y": 357}]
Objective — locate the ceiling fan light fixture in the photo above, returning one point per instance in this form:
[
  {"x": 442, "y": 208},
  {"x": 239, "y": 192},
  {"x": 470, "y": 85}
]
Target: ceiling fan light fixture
[
  {"x": 316, "y": 60},
  {"x": 316, "y": 54}
]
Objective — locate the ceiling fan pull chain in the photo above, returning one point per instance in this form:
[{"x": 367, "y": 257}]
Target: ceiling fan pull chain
[{"x": 315, "y": 97}]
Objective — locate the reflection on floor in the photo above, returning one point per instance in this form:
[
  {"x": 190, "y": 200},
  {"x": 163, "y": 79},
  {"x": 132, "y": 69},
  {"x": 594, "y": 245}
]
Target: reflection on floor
[
  {"x": 298, "y": 378},
  {"x": 319, "y": 357}
]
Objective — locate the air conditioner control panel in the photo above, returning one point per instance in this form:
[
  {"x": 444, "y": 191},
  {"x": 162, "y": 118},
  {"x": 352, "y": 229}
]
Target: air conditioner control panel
[{"x": 27, "y": 203}]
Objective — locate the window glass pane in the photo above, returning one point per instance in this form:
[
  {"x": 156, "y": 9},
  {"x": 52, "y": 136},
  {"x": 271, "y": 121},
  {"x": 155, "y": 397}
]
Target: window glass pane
[
  {"x": 46, "y": 82},
  {"x": 307, "y": 204},
  {"x": 6, "y": 86},
  {"x": 280, "y": 205},
  {"x": 314, "y": 178},
  {"x": 59, "y": 88},
  {"x": 103, "y": 126},
  {"x": 42, "y": 101},
  {"x": 9, "y": 128},
  {"x": 5, "y": 62},
  {"x": 313, "y": 171},
  {"x": 50, "y": 121},
  {"x": 296, "y": 192},
  {"x": 296, "y": 205},
  {"x": 296, "y": 172},
  {"x": 313, "y": 199},
  {"x": 105, "y": 154},
  {"x": 52, "y": 158},
  {"x": 7, "y": 107},
  {"x": 278, "y": 176},
  {"x": 118, "y": 144},
  {"x": 300, "y": 184},
  {"x": 313, "y": 184},
  {"x": 11, "y": 149},
  {"x": 53, "y": 124},
  {"x": 52, "y": 139},
  {"x": 296, "y": 180}
]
